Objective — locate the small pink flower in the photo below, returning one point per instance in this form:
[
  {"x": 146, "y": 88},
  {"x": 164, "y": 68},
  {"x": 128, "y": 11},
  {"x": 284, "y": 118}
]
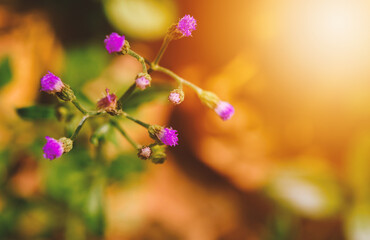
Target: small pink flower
[
  {"x": 176, "y": 96},
  {"x": 51, "y": 83},
  {"x": 145, "y": 152},
  {"x": 225, "y": 110},
  {"x": 186, "y": 25},
  {"x": 143, "y": 81},
  {"x": 114, "y": 42}
]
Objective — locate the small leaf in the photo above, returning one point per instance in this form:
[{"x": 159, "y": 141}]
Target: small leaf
[
  {"x": 105, "y": 132},
  {"x": 94, "y": 209},
  {"x": 123, "y": 166},
  {"x": 147, "y": 95},
  {"x": 37, "y": 112},
  {"x": 5, "y": 72},
  {"x": 84, "y": 63}
]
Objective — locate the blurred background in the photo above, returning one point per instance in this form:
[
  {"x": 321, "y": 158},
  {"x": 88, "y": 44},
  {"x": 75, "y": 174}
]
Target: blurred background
[{"x": 293, "y": 162}]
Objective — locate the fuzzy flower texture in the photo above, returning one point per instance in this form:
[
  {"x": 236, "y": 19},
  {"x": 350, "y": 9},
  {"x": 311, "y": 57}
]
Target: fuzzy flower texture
[
  {"x": 114, "y": 42},
  {"x": 186, "y": 25},
  {"x": 168, "y": 136},
  {"x": 142, "y": 82},
  {"x": 51, "y": 83},
  {"x": 53, "y": 148},
  {"x": 225, "y": 110}
]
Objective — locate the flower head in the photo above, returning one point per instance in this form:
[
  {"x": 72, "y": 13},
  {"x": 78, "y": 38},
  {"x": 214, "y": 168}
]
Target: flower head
[
  {"x": 225, "y": 110},
  {"x": 108, "y": 103},
  {"x": 51, "y": 83},
  {"x": 143, "y": 80},
  {"x": 176, "y": 96},
  {"x": 186, "y": 25},
  {"x": 145, "y": 152},
  {"x": 168, "y": 136},
  {"x": 53, "y": 148},
  {"x": 114, "y": 42}
]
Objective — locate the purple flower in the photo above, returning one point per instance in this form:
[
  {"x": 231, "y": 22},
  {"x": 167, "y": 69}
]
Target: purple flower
[
  {"x": 108, "y": 103},
  {"x": 168, "y": 136},
  {"x": 225, "y": 110},
  {"x": 186, "y": 25},
  {"x": 114, "y": 42},
  {"x": 51, "y": 83},
  {"x": 142, "y": 82},
  {"x": 53, "y": 148}
]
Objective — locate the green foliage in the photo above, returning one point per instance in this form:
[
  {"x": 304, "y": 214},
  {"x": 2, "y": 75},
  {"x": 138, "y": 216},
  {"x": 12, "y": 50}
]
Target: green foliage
[
  {"x": 67, "y": 179},
  {"x": 123, "y": 166},
  {"x": 5, "y": 72},
  {"x": 104, "y": 133},
  {"x": 149, "y": 94},
  {"x": 94, "y": 208},
  {"x": 84, "y": 63},
  {"x": 37, "y": 112}
]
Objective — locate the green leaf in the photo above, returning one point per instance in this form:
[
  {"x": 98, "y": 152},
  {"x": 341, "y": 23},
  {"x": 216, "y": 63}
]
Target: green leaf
[
  {"x": 124, "y": 166},
  {"x": 5, "y": 72},
  {"x": 94, "y": 209},
  {"x": 147, "y": 95},
  {"x": 37, "y": 112},
  {"x": 84, "y": 63},
  {"x": 103, "y": 133}
]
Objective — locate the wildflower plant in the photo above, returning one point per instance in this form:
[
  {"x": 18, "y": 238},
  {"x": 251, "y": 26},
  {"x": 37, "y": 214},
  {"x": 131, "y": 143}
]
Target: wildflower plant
[{"x": 113, "y": 106}]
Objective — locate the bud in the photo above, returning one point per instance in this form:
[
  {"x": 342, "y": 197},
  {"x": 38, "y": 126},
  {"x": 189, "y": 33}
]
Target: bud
[
  {"x": 167, "y": 136},
  {"x": 67, "y": 144},
  {"x": 55, "y": 148},
  {"x": 66, "y": 94},
  {"x": 158, "y": 154},
  {"x": 108, "y": 103},
  {"x": 209, "y": 99},
  {"x": 225, "y": 110},
  {"x": 176, "y": 96},
  {"x": 144, "y": 153},
  {"x": 143, "y": 80},
  {"x": 114, "y": 42}
]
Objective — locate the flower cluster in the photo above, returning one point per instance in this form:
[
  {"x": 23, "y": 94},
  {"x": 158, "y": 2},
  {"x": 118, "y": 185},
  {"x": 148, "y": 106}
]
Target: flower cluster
[
  {"x": 112, "y": 105},
  {"x": 186, "y": 25}
]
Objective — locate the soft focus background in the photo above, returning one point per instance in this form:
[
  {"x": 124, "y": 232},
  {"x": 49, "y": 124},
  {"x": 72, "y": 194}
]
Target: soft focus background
[{"x": 293, "y": 162}]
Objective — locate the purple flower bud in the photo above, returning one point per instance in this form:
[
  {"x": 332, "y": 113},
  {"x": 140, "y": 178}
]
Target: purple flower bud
[
  {"x": 114, "y": 42},
  {"x": 145, "y": 152},
  {"x": 176, "y": 96},
  {"x": 108, "y": 103},
  {"x": 186, "y": 25},
  {"x": 51, "y": 83},
  {"x": 225, "y": 110},
  {"x": 168, "y": 136},
  {"x": 53, "y": 148},
  {"x": 143, "y": 80}
]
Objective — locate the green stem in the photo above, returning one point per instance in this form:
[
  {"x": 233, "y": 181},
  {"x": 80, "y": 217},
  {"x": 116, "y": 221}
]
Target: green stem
[
  {"x": 79, "y": 107},
  {"x": 163, "y": 48},
  {"x": 127, "y": 94},
  {"x": 136, "y": 120},
  {"x": 83, "y": 120},
  {"x": 139, "y": 58},
  {"x": 179, "y": 79},
  {"x": 120, "y": 129}
]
